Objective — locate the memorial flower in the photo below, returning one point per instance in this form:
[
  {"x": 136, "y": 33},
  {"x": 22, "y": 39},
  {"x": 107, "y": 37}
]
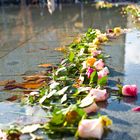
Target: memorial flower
[
  {"x": 99, "y": 65},
  {"x": 103, "y": 72},
  {"x": 90, "y": 61},
  {"x": 129, "y": 90},
  {"x": 93, "y": 128},
  {"x": 98, "y": 94},
  {"x": 89, "y": 72}
]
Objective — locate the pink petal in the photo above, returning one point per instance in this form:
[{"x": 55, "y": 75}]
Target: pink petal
[
  {"x": 92, "y": 108},
  {"x": 136, "y": 109},
  {"x": 129, "y": 90}
]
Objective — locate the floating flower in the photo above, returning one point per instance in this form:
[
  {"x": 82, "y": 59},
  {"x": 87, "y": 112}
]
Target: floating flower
[
  {"x": 103, "y": 38},
  {"x": 90, "y": 61},
  {"x": 129, "y": 90},
  {"x": 93, "y": 128},
  {"x": 89, "y": 72},
  {"x": 98, "y": 94},
  {"x": 136, "y": 109},
  {"x": 103, "y": 72},
  {"x": 117, "y": 31},
  {"x": 92, "y": 108},
  {"x": 99, "y": 65}
]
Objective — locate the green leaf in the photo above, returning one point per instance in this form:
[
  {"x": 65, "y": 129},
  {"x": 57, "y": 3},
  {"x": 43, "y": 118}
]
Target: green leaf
[
  {"x": 64, "y": 98},
  {"x": 71, "y": 56},
  {"x": 93, "y": 77},
  {"x": 103, "y": 81},
  {"x": 63, "y": 90},
  {"x": 58, "y": 118},
  {"x": 88, "y": 100},
  {"x": 120, "y": 88}
]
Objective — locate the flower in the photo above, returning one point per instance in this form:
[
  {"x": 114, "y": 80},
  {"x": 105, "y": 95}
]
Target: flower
[
  {"x": 96, "y": 41},
  {"x": 99, "y": 65},
  {"x": 98, "y": 94},
  {"x": 89, "y": 72},
  {"x": 106, "y": 121},
  {"x": 92, "y": 108},
  {"x": 136, "y": 109},
  {"x": 117, "y": 31},
  {"x": 103, "y": 72},
  {"x": 93, "y": 128},
  {"x": 90, "y": 61},
  {"x": 129, "y": 90},
  {"x": 96, "y": 52}
]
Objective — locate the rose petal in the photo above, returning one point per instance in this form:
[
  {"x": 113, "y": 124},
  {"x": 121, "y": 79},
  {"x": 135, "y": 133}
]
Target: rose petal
[
  {"x": 129, "y": 90},
  {"x": 136, "y": 109}
]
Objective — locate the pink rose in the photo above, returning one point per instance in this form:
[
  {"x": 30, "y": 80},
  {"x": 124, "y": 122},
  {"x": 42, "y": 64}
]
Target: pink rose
[
  {"x": 91, "y": 128},
  {"x": 92, "y": 108},
  {"x": 136, "y": 109},
  {"x": 103, "y": 72},
  {"x": 96, "y": 52},
  {"x": 129, "y": 90},
  {"x": 99, "y": 95},
  {"x": 89, "y": 72},
  {"x": 99, "y": 65}
]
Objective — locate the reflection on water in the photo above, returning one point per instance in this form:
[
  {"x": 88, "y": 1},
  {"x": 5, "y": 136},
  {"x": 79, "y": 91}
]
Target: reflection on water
[{"x": 132, "y": 57}]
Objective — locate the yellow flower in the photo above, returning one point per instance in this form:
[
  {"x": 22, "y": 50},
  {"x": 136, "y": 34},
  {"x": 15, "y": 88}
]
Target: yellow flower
[
  {"x": 90, "y": 61},
  {"x": 96, "y": 41},
  {"x": 106, "y": 120},
  {"x": 117, "y": 30}
]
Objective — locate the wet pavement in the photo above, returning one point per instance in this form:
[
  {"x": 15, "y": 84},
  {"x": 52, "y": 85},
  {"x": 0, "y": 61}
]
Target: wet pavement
[{"x": 28, "y": 37}]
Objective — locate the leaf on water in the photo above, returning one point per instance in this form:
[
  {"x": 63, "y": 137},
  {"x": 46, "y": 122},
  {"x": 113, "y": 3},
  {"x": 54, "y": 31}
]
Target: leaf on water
[
  {"x": 25, "y": 85},
  {"x": 88, "y": 100},
  {"x": 45, "y": 65},
  {"x": 44, "y": 48},
  {"x": 61, "y": 49},
  {"x": 13, "y": 98},
  {"x": 6, "y": 82},
  {"x": 78, "y": 24},
  {"x": 30, "y": 128},
  {"x": 31, "y": 85},
  {"x": 63, "y": 90},
  {"x": 34, "y": 77},
  {"x": 64, "y": 98}
]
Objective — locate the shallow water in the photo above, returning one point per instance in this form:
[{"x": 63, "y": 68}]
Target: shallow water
[{"x": 28, "y": 37}]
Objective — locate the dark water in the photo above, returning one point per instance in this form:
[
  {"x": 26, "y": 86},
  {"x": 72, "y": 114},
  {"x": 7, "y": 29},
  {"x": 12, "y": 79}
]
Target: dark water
[{"x": 28, "y": 37}]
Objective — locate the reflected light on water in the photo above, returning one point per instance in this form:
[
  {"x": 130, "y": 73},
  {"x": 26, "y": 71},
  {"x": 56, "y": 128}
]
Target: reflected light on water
[{"x": 132, "y": 58}]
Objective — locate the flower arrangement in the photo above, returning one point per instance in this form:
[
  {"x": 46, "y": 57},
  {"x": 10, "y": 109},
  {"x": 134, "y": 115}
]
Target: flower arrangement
[{"x": 73, "y": 89}]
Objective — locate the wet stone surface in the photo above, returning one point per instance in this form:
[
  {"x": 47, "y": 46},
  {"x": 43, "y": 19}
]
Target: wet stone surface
[{"x": 28, "y": 39}]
